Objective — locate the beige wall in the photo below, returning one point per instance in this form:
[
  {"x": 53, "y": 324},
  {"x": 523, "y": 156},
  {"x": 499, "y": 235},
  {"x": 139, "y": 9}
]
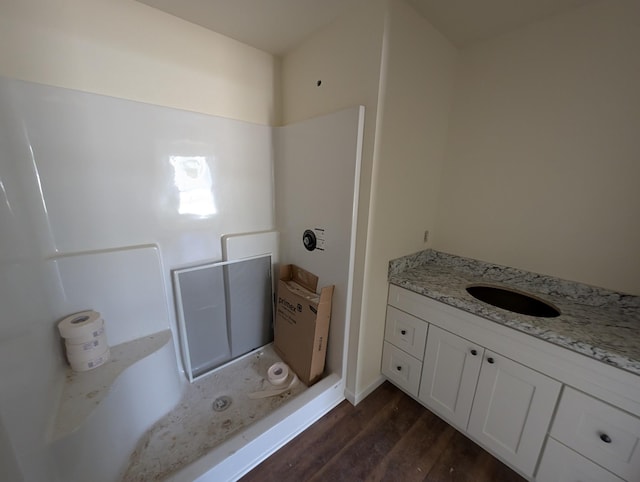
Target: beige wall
[
  {"x": 346, "y": 57},
  {"x": 391, "y": 60},
  {"x": 543, "y": 157},
  {"x": 412, "y": 135},
  {"x": 542, "y": 163},
  {"x": 129, "y": 50}
]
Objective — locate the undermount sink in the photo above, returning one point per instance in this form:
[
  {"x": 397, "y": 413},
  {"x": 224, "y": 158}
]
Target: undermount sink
[{"x": 512, "y": 300}]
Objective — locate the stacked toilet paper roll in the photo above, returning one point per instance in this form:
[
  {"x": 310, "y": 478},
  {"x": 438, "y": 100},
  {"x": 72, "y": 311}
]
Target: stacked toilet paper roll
[{"x": 85, "y": 340}]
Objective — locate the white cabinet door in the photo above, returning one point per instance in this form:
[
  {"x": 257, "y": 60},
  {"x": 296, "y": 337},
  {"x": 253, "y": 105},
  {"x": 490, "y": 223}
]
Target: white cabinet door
[
  {"x": 561, "y": 464},
  {"x": 449, "y": 375},
  {"x": 512, "y": 410}
]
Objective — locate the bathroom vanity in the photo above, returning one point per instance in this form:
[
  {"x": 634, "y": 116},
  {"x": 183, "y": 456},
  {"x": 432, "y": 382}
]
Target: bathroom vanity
[{"x": 556, "y": 398}]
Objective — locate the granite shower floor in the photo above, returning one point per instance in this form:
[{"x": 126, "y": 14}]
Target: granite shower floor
[{"x": 193, "y": 428}]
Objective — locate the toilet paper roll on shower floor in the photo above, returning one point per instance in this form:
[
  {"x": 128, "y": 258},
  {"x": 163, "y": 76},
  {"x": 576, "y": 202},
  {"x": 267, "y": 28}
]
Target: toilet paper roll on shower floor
[
  {"x": 81, "y": 324},
  {"x": 278, "y": 373},
  {"x": 280, "y": 386}
]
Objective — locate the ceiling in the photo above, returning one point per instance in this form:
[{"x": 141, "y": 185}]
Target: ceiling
[
  {"x": 277, "y": 26},
  {"x": 464, "y": 22}
]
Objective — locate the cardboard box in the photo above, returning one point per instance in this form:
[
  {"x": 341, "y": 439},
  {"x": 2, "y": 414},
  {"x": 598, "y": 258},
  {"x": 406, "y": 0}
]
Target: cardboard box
[{"x": 302, "y": 322}]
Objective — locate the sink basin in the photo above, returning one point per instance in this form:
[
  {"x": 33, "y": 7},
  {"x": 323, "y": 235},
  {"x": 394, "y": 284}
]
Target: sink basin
[{"x": 512, "y": 300}]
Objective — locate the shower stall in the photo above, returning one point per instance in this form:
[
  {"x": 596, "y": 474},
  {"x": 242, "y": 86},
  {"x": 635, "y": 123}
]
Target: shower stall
[{"x": 166, "y": 222}]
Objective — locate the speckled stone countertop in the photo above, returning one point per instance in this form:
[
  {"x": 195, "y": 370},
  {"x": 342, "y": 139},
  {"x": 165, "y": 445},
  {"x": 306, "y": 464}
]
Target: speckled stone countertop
[{"x": 595, "y": 322}]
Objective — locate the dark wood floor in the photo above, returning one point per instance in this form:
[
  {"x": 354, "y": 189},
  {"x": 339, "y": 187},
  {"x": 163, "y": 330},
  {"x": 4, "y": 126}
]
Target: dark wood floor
[{"x": 388, "y": 436}]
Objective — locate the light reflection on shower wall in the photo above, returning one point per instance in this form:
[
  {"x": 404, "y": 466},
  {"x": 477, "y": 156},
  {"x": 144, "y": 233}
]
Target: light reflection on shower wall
[{"x": 193, "y": 181}]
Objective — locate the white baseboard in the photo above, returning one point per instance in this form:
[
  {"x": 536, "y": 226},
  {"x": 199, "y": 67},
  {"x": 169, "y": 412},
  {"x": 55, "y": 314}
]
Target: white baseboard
[{"x": 355, "y": 399}]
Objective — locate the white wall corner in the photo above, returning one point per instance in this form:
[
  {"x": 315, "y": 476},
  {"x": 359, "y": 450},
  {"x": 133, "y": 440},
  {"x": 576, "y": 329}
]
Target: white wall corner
[{"x": 356, "y": 398}]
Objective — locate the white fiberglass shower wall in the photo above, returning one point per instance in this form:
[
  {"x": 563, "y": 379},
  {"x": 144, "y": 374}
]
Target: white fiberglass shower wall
[
  {"x": 317, "y": 173},
  {"x": 100, "y": 199}
]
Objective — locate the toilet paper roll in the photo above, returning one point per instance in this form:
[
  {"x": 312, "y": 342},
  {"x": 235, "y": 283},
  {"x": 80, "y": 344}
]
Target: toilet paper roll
[
  {"x": 95, "y": 345},
  {"x": 278, "y": 373},
  {"x": 273, "y": 392},
  {"x": 81, "y": 357},
  {"x": 90, "y": 364},
  {"x": 80, "y": 324},
  {"x": 88, "y": 337}
]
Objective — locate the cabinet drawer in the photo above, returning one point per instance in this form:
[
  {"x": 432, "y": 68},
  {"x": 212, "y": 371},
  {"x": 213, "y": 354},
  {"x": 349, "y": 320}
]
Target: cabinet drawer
[
  {"x": 561, "y": 464},
  {"x": 600, "y": 432},
  {"x": 406, "y": 332},
  {"x": 400, "y": 368}
]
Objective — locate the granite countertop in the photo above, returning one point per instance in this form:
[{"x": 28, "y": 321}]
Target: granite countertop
[{"x": 595, "y": 322}]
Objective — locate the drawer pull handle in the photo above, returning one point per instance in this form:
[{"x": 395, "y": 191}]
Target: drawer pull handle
[
  {"x": 474, "y": 352},
  {"x": 605, "y": 438},
  {"x": 403, "y": 332},
  {"x": 490, "y": 359},
  {"x": 399, "y": 368}
]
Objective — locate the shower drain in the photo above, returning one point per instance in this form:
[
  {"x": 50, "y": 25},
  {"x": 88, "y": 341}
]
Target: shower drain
[{"x": 220, "y": 404}]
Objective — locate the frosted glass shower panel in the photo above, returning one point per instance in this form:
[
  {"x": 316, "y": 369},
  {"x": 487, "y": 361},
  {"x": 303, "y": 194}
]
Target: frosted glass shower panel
[
  {"x": 249, "y": 307},
  {"x": 224, "y": 311},
  {"x": 203, "y": 318}
]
